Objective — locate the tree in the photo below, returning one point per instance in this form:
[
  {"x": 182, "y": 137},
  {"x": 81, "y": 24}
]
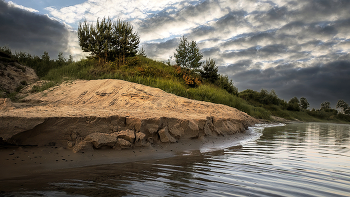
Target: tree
[
  {"x": 293, "y": 104},
  {"x": 45, "y": 57},
  {"x": 61, "y": 60},
  {"x": 303, "y": 103},
  {"x": 226, "y": 84},
  {"x": 210, "y": 71},
  {"x": 325, "y": 105},
  {"x": 108, "y": 40},
  {"x": 343, "y": 106},
  {"x": 142, "y": 52},
  {"x": 70, "y": 60},
  {"x": 188, "y": 55}
]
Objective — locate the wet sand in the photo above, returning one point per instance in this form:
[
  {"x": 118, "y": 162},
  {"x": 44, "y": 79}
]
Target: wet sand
[{"x": 21, "y": 162}]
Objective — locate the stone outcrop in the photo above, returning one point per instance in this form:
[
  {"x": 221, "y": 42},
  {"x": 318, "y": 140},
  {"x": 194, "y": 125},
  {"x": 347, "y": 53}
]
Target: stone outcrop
[{"x": 88, "y": 115}]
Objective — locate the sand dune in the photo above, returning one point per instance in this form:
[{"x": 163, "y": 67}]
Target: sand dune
[{"x": 86, "y": 115}]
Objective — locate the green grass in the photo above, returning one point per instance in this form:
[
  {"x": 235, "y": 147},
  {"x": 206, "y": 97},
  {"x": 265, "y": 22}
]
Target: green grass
[
  {"x": 156, "y": 74},
  {"x": 43, "y": 87},
  {"x": 151, "y": 73}
]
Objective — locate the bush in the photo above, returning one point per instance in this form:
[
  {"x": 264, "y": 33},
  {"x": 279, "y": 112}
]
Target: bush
[{"x": 226, "y": 84}]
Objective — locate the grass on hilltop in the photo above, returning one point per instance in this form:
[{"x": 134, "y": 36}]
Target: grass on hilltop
[
  {"x": 155, "y": 74},
  {"x": 171, "y": 79}
]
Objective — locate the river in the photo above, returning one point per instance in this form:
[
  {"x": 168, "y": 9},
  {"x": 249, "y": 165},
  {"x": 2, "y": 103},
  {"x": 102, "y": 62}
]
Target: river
[{"x": 304, "y": 159}]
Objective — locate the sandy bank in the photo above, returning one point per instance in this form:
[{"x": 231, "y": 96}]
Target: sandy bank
[{"x": 99, "y": 114}]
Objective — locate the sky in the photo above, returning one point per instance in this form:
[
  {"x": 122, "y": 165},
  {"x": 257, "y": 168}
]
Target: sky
[{"x": 296, "y": 47}]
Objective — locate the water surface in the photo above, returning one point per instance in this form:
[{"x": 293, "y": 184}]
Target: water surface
[{"x": 307, "y": 159}]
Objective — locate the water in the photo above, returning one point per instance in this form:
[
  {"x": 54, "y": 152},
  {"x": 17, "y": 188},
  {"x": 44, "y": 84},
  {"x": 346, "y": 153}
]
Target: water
[{"x": 307, "y": 159}]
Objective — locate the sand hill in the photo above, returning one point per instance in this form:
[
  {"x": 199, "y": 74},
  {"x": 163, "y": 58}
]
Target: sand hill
[{"x": 84, "y": 115}]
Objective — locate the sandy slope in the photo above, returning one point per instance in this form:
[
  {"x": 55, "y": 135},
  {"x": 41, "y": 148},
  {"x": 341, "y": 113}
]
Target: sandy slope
[
  {"x": 69, "y": 113},
  {"x": 108, "y": 97}
]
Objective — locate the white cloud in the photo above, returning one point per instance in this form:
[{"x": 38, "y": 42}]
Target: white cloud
[
  {"x": 12, "y": 4},
  {"x": 127, "y": 10}
]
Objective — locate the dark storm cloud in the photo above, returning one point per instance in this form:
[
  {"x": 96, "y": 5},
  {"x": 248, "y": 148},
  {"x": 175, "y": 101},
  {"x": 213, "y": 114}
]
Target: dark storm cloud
[
  {"x": 157, "y": 49},
  {"x": 236, "y": 67},
  {"x": 319, "y": 83},
  {"x": 184, "y": 15},
  {"x": 321, "y": 10},
  {"x": 210, "y": 51},
  {"x": 230, "y": 19},
  {"x": 29, "y": 32},
  {"x": 272, "y": 49},
  {"x": 201, "y": 31},
  {"x": 266, "y": 51},
  {"x": 276, "y": 13},
  {"x": 250, "y": 52},
  {"x": 251, "y": 39},
  {"x": 297, "y": 47}
]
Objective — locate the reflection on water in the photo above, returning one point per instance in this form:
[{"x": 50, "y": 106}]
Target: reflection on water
[{"x": 308, "y": 159}]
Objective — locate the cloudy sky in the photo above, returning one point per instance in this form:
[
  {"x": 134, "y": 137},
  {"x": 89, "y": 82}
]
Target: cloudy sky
[{"x": 296, "y": 47}]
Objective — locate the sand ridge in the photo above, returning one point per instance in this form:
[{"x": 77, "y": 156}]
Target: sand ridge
[{"x": 67, "y": 115}]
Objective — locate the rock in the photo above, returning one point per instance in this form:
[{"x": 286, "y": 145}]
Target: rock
[
  {"x": 165, "y": 136},
  {"x": 12, "y": 126},
  {"x": 175, "y": 128},
  {"x": 133, "y": 124},
  {"x": 220, "y": 126},
  {"x": 82, "y": 146},
  {"x": 102, "y": 139},
  {"x": 150, "y": 126},
  {"x": 209, "y": 129},
  {"x": 128, "y": 135},
  {"x": 140, "y": 139},
  {"x": 70, "y": 144},
  {"x": 193, "y": 125},
  {"x": 124, "y": 144},
  {"x": 191, "y": 129},
  {"x": 234, "y": 127}
]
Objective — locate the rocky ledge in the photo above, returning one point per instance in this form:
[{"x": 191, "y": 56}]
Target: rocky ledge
[{"x": 87, "y": 115}]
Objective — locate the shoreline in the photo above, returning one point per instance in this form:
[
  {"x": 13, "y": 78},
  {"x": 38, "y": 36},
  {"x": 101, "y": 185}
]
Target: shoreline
[{"x": 19, "y": 161}]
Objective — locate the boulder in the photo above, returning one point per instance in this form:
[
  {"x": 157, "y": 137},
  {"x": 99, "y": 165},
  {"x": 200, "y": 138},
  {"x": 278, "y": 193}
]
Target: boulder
[
  {"x": 191, "y": 129},
  {"x": 123, "y": 143},
  {"x": 174, "y": 126},
  {"x": 150, "y": 126},
  {"x": 128, "y": 135},
  {"x": 140, "y": 139},
  {"x": 82, "y": 146},
  {"x": 165, "y": 136},
  {"x": 102, "y": 139},
  {"x": 209, "y": 129}
]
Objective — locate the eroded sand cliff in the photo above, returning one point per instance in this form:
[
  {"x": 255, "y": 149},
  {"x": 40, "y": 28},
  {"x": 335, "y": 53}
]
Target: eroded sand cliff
[{"x": 85, "y": 115}]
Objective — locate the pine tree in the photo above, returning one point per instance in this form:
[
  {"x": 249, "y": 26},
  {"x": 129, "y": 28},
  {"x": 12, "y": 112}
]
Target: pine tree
[
  {"x": 96, "y": 39},
  {"x": 210, "y": 71},
  {"x": 304, "y": 104},
  {"x": 108, "y": 40},
  {"x": 188, "y": 55}
]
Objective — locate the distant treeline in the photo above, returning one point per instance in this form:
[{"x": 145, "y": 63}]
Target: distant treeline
[{"x": 278, "y": 107}]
